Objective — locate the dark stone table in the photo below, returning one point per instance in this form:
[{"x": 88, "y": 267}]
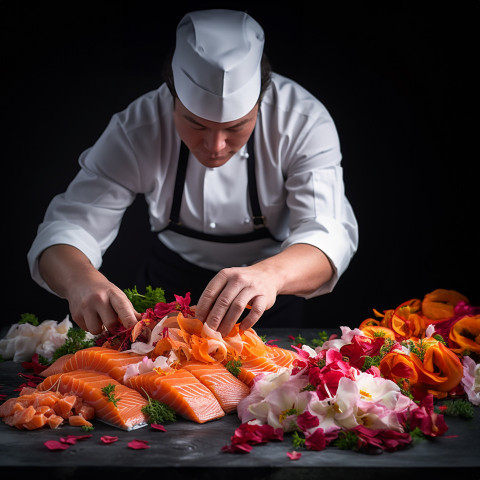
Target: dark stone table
[{"x": 189, "y": 450}]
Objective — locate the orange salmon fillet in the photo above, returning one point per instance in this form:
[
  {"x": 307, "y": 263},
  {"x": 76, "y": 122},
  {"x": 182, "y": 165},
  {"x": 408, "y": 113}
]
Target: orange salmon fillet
[
  {"x": 102, "y": 360},
  {"x": 281, "y": 356},
  {"x": 56, "y": 366},
  {"x": 181, "y": 391},
  {"x": 255, "y": 366},
  {"x": 88, "y": 385},
  {"x": 227, "y": 388}
]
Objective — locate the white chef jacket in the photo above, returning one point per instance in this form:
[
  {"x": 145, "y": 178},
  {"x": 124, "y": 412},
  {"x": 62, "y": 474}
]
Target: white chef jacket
[{"x": 299, "y": 181}]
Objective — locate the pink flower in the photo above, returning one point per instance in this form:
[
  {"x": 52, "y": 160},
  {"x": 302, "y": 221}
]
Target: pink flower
[
  {"x": 158, "y": 427},
  {"x": 249, "y": 434},
  {"x": 471, "y": 380},
  {"x": 56, "y": 445}
]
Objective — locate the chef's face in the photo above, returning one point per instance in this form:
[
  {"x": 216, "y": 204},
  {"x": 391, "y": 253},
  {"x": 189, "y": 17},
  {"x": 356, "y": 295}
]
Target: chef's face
[{"x": 212, "y": 143}]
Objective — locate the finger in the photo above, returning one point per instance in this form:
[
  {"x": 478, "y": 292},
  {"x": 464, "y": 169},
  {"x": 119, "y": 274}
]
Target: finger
[
  {"x": 257, "y": 308},
  {"x": 209, "y": 296},
  {"x": 235, "y": 311},
  {"x": 93, "y": 322},
  {"x": 109, "y": 317},
  {"x": 124, "y": 309}
]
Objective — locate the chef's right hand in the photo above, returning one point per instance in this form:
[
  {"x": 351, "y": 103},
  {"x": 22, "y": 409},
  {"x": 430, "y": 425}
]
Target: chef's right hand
[
  {"x": 94, "y": 301},
  {"x": 99, "y": 304}
]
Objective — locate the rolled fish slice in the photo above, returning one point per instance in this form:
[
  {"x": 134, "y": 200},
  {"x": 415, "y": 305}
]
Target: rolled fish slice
[{"x": 88, "y": 384}]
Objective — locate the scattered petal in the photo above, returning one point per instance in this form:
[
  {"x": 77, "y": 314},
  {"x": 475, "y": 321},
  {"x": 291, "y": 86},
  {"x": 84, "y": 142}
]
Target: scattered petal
[
  {"x": 56, "y": 445},
  {"x": 294, "y": 455},
  {"x": 138, "y": 444},
  {"x": 158, "y": 427},
  {"x": 108, "y": 439}
]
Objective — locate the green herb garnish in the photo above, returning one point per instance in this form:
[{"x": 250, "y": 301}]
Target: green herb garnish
[
  {"x": 346, "y": 440},
  {"x": 233, "y": 366},
  {"x": 76, "y": 340},
  {"x": 457, "y": 408},
  {"x": 158, "y": 412},
  {"x": 86, "y": 428},
  {"x": 297, "y": 440},
  {"x": 108, "y": 391},
  {"x": 148, "y": 300},
  {"x": 29, "y": 318}
]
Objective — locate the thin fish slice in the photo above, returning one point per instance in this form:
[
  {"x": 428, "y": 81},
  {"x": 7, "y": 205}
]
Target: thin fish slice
[
  {"x": 255, "y": 366},
  {"x": 102, "y": 360},
  {"x": 88, "y": 384},
  {"x": 227, "y": 388},
  {"x": 281, "y": 356},
  {"x": 181, "y": 391}
]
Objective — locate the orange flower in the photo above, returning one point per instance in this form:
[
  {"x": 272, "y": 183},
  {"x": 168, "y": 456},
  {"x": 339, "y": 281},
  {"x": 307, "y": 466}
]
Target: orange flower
[
  {"x": 440, "y": 371},
  {"x": 374, "y": 331},
  {"x": 407, "y": 321},
  {"x": 396, "y": 366},
  {"x": 466, "y": 334},
  {"x": 440, "y": 304}
]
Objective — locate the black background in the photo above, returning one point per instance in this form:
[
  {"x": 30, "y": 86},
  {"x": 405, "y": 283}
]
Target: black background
[{"x": 399, "y": 78}]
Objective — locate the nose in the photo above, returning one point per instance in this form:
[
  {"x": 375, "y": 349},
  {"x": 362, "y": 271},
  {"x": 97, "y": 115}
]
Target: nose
[{"x": 215, "y": 142}]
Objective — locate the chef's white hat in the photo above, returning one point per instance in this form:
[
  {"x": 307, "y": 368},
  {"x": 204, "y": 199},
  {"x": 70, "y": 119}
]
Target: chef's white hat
[{"x": 216, "y": 63}]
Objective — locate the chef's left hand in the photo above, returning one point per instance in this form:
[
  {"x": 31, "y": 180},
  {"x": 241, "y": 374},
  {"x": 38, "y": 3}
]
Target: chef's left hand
[{"x": 228, "y": 293}]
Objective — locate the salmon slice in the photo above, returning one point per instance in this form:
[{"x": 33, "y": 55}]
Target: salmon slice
[
  {"x": 102, "y": 360},
  {"x": 78, "y": 421},
  {"x": 227, "y": 388},
  {"x": 56, "y": 366},
  {"x": 181, "y": 391},
  {"x": 255, "y": 366},
  {"x": 88, "y": 384},
  {"x": 281, "y": 356}
]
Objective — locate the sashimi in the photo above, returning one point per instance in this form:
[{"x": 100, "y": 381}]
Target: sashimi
[
  {"x": 181, "y": 391},
  {"x": 281, "y": 356},
  {"x": 255, "y": 366},
  {"x": 102, "y": 360},
  {"x": 125, "y": 412},
  {"x": 227, "y": 388},
  {"x": 56, "y": 366}
]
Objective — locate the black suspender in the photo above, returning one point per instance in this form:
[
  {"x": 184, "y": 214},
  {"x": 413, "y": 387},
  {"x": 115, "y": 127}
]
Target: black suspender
[{"x": 260, "y": 228}]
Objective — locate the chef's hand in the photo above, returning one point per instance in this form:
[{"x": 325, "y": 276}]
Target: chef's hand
[
  {"x": 228, "y": 293},
  {"x": 299, "y": 270},
  {"x": 97, "y": 304},
  {"x": 94, "y": 301}
]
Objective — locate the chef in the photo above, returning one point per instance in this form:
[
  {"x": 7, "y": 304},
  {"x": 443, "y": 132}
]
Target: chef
[{"x": 241, "y": 171}]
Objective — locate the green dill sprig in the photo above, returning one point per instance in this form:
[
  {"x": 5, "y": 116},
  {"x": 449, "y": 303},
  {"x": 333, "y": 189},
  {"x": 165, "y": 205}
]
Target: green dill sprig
[
  {"x": 298, "y": 441},
  {"x": 376, "y": 359},
  {"x": 142, "y": 302},
  {"x": 158, "y": 412},
  {"x": 29, "y": 318},
  {"x": 317, "y": 341},
  {"x": 108, "y": 391},
  {"x": 346, "y": 440},
  {"x": 88, "y": 428},
  {"x": 233, "y": 366},
  {"x": 76, "y": 340},
  {"x": 456, "y": 408}
]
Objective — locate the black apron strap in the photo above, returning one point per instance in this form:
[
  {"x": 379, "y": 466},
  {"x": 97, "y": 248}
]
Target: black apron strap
[{"x": 260, "y": 229}]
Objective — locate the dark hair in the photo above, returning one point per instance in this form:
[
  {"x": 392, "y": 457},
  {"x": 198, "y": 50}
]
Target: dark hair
[{"x": 266, "y": 73}]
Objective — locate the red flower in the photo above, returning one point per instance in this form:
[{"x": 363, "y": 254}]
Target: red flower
[
  {"x": 108, "y": 439},
  {"x": 34, "y": 365},
  {"x": 181, "y": 304},
  {"x": 306, "y": 421},
  {"x": 316, "y": 441},
  {"x": 248, "y": 434},
  {"x": 361, "y": 347},
  {"x": 424, "y": 417},
  {"x": 389, "y": 440},
  {"x": 158, "y": 427}
]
